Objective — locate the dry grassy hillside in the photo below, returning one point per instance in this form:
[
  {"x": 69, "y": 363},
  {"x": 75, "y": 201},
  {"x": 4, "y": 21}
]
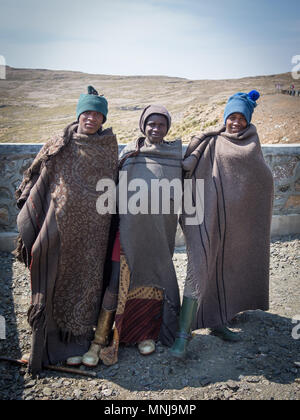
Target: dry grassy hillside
[{"x": 35, "y": 104}]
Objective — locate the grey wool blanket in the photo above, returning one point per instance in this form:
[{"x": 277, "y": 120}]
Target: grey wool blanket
[
  {"x": 148, "y": 240},
  {"x": 228, "y": 253},
  {"x": 63, "y": 240}
]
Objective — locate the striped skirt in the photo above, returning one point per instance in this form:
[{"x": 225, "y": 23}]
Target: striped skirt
[{"x": 138, "y": 315}]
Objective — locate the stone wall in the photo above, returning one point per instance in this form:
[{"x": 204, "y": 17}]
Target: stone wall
[
  {"x": 284, "y": 161},
  {"x": 14, "y": 159}
]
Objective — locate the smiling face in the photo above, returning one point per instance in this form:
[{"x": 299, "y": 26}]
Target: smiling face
[
  {"x": 156, "y": 128},
  {"x": 235, "y": 123},
  {"x": 90, "y": 122}
]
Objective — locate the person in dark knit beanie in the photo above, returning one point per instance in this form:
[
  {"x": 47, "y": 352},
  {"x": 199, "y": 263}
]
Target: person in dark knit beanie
[
  {"x": 91, "y": 101},
  {"x": 63, "y": 239}
]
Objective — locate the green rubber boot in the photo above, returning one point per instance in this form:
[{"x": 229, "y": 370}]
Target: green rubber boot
[
  {"x": 183, "y": 336},
  {"x": 225, "y": 334}
]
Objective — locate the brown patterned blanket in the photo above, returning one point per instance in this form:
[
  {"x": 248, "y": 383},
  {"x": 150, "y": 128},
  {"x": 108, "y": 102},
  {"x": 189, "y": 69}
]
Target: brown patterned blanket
[{"x": 64, "y": 240}]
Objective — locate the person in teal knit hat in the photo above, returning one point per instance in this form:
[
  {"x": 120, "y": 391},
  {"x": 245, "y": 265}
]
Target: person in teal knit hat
[
  {"x": 64, "y": 240},
  {"x": 91, "y": 101}
]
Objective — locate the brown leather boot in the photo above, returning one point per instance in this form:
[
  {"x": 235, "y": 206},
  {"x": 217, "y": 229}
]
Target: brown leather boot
[
  {"x": 101, "y": 338},
  {"x": 104, "y": 326}
]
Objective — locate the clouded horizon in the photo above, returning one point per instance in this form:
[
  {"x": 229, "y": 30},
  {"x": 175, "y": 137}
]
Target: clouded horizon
[{"x": 194, "y": 39}]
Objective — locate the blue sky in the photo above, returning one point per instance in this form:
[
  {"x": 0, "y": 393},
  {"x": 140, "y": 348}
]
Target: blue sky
[{"x": 196, "y": 39}]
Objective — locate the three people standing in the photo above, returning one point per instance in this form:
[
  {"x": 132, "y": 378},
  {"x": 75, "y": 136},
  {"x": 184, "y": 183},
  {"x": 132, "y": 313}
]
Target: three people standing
[{"x": 66, "y": 243}]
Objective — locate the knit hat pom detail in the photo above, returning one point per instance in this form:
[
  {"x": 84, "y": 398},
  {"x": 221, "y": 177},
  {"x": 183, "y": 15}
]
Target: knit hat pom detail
[
  {"x": 254, "y": 95},
  {"x": 92, "y": 101},
  {"x": 92, "y": 91}
]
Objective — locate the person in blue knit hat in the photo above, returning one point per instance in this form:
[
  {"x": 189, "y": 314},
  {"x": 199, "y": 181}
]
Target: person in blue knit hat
[
  {"x": 241, "y": 103},
  {"x": 228, "y": 252}
]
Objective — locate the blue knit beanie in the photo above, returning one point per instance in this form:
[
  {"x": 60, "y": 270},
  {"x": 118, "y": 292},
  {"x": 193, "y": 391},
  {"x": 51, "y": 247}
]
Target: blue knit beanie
[
  {"x": 244, "y": 103},
  {"x": 91, "y": 101}
]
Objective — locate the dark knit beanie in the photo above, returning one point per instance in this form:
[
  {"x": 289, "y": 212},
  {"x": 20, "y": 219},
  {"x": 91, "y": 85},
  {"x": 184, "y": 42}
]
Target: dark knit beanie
[
  {"x": 154, "y": 109},
  {"x": 91, "y": 101}
]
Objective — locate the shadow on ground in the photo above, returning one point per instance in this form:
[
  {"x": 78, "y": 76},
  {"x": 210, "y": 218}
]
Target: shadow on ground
[
  {"x": 268, "y": 350},
  {"x": 9, "y": 336}
]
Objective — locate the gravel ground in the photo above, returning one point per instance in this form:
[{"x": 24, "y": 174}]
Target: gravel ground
[{"x": 264, "y": 365}]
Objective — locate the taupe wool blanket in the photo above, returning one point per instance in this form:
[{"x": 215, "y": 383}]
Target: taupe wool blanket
[
  {"x": 228, "y": 253},
  {"x": 148, "y": 240},
  {"x": 65, "y": 240}
]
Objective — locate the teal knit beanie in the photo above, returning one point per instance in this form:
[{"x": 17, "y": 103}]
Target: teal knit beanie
[
  {"x": 91, "y": 101},
  {"x": 244, "y": 103}
]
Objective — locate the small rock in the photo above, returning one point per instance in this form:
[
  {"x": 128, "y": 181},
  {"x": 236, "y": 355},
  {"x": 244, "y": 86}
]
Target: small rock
[
  {"x": 94, "y": 383},
  {"x": 27, "y": 392},
  {"x": 232, "y": 385},
  {"x": 67, "y": 383},
  {"x": 47, "y": 392},
  {"x": 252, "y": 379},
  {"x": 297, "y": 364},
  {"x": 107, "y": 392},
  {"x": 57, "y": 384},
  {"x": 30, "y": 384},
  {"x": 96, "y": 394},
  {"x": 227, "y": 394},
  {"x": 77, "y": 393}
]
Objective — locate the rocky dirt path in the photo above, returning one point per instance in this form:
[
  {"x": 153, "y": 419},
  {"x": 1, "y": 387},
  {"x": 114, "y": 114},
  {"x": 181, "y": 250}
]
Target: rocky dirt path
[{"x": 265, "y": 365}]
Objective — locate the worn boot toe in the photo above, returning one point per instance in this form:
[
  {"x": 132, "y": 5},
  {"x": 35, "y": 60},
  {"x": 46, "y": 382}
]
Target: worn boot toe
[
  {"x": 225, "y": 334},
  {"x": 179, "y": 347},
  {"x": 74, "y": 361},
  {"x": 91, "y": 358},
  {"x": 146, "y": 347}
]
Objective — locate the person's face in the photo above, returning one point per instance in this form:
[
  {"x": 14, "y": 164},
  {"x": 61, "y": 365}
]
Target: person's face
[
  {"x": 235, "y": 123},
  {"x": 156, "y": 128},
  {"x": 90, "y": 122}
]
